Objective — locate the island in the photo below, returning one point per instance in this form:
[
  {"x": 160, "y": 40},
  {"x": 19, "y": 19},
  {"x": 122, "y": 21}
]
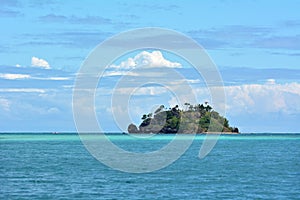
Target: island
[{"x": 197, "y": 118}]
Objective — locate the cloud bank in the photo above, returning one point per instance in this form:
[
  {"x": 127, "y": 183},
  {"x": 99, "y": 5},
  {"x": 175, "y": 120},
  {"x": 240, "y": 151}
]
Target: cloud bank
[
  {"x": 267, "y": 98},
  {"x": 264, "y": 98}
]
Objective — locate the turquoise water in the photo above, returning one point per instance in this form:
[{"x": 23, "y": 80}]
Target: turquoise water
[{"x": 47, "y": 166}]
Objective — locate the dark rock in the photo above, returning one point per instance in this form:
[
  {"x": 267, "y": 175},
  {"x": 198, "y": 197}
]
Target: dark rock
[{"x": 132, "y": 129}]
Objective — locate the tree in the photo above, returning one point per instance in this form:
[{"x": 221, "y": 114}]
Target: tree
[
  {"x": 235, "y": 130},
  {"x": 159, "y": 109},
  {"x": 144, "y": 117},
  {"x": 226, "y": 123},
  {"x": 208, "y": 108},
  {"x": 194, "y": 119}
]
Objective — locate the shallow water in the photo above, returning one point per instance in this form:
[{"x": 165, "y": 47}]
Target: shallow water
[{"x": 49, "y": 166}]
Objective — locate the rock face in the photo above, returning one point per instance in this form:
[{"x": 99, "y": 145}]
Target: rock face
[
  {"x": 195, "y": 119},
  {"x": 132, "y": 129}
]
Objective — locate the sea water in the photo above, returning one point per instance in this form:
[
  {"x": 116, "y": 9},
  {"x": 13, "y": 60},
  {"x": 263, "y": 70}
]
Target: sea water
[{"x": 57, "y": 166}]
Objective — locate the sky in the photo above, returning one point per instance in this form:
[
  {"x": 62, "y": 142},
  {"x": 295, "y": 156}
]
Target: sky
[{"x": 254, "y": 44}]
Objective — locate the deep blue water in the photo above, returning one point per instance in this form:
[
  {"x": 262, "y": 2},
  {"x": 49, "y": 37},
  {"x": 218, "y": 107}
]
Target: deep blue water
[{"x": 46, "y": 166}]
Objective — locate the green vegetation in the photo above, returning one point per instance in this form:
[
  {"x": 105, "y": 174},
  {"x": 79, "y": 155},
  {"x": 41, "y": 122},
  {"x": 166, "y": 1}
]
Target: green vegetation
[{"x": 193, "y": 119}]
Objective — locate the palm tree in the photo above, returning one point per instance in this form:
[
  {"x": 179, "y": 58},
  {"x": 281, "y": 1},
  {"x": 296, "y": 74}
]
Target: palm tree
[{"x": 208, "y": 108}]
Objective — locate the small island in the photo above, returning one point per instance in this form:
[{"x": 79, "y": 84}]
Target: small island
[{"x": 193, "y": 119}]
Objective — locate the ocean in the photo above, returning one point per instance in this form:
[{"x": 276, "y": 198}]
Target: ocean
[{"x": 58, "y": 166}]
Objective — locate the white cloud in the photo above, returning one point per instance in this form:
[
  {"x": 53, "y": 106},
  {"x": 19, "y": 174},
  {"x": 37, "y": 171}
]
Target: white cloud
[
  {"x": 38, "y": 62},
  {"x": 58, "y": 78},
  {"x": 53, "y": 110},
  {"x": 271, "y": 81},
  {"x": 261, "y": 98},
  {"x": 5, "y": 104},
  {"x": 14, "y": 76},
  {"x": 147, "y": 59},
  {"x": 68, "y": 86},
  {"x": 193, "y": 81},
  {"x": 152, "y": 90},
  {"x": 27, "y": 76},
  {"x": 25, "y": 90},
  {"x": 142, "y": 91},
  {"x": 184, "y": 81},
  {"x": 119, "y": 73},
  {"x": 270, "y": 97},
  {"x": 54, "y": 78}
]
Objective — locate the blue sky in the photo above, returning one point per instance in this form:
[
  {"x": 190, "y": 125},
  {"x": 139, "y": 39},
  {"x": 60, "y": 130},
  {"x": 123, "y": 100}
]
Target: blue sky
[{"x": 255, "y": 44}]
